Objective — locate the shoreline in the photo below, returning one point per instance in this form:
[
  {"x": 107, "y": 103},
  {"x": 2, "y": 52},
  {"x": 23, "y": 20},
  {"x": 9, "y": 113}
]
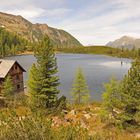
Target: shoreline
[{"x": 61, "y": 52}]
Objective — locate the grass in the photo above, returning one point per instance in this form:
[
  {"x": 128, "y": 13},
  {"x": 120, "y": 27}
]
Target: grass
[{"x": 80, "y": 122}]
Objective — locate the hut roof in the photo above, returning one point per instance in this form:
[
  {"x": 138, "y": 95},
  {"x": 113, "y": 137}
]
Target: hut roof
[{"x": 6, "y": 65}]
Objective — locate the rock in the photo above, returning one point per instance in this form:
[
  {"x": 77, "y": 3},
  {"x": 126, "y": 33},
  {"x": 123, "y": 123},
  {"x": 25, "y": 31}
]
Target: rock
[
  {"x": 69, "y": 117},
  {"x": 56, "y": 122},
  {"x": 83, "y": 125},
  {"x": 65, "y": 111},
  {"x": 97, "y": 108},
  {"x": 72, "y": 112},
  {"x": 87, "y": 116},
  {"x": 94, "y": 115},
  {"x": 84, "y": 112}
]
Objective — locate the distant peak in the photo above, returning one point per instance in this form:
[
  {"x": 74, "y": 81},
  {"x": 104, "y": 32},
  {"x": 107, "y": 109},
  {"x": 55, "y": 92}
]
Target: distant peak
[
  {"x": 127, "y": 37},
  {"x": 126, "y": 42}
]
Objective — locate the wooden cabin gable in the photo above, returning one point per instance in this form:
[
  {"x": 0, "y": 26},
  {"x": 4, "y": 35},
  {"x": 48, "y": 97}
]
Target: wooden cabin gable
[{"x": 15, "y": 69}]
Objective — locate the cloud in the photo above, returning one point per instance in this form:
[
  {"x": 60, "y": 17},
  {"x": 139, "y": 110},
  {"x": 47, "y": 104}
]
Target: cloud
[
  {"x": 28, "y": 13},
  {"x": 104, "y": 23},
  {"x": 24, "y": 8},
  {"x": 57, "y": 12},
  {"x": 34, "y": 9},
  {"x": 91, "y": 22}
]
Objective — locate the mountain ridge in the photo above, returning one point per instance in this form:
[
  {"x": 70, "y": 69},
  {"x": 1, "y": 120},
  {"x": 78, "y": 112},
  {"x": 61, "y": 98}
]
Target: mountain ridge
[
  {"x": 34, "y": 32},
  {"x": 125, "y": 42}
]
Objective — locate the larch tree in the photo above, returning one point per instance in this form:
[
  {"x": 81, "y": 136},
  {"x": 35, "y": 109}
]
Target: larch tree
[
  {"x": 80, "y": 91},
  {"x": 111, "y": 105},
  {"x": 43, "y": 79}
]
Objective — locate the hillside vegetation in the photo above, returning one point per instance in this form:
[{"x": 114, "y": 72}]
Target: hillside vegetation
[
  {"x": 11, "y": 44},
  {"x": 35, "y": 32},
  {"x": 103, "y": 50}
]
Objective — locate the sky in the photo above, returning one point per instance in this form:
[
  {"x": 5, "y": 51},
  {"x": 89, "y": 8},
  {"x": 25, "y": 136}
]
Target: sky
[{"x": 92, "y": 22}]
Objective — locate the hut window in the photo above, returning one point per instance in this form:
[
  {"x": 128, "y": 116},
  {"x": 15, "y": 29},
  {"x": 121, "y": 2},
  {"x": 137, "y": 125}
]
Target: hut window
[
  {"x": 18, "y": 86},
  {"x": 17, "y": 77},
  {"x": 16, "y": 67}
]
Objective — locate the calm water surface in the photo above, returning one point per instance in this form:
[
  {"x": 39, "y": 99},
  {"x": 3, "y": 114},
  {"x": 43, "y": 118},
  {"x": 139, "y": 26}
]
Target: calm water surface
[{"x": 98, "y": 70}]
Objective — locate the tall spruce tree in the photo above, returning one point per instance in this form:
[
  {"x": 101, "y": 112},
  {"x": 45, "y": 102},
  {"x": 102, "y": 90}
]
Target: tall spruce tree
[
  {"x": 80, "y": 90},
  {"x": 43, "y": 81},
  {"x": 130, "y": 95}
]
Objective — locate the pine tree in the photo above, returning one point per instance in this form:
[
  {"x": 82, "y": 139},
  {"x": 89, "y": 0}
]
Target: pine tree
[
  {"x": 111, "y": 106},
  {"x": 130, "y": 95},
  {"x": 7, "y": 88},
  {"x": 80, "y": 90},
  {"x": 43, "y": 81},
  {"x": 34, "y": 86},
  {"x": 122, "y": 101}
]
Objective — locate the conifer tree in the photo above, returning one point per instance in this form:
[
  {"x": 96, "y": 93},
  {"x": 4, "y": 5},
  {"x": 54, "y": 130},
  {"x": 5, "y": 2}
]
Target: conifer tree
[
  {"x": 122, "y": 101},
  {"x": 80, "y": 90},
  {"x": 111, "y": 101},
  {"x": 34, "y": 86},
  {"x": 130, "y": 95},
  {"x": 43, "y": 81},
  {"x": 7, "y": 88}
]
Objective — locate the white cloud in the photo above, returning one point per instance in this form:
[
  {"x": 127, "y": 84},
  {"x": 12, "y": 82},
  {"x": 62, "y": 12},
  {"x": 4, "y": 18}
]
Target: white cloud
[
  {"x": 28, "y": 13},
  {"x": 106, "y": 26},
  {"x": 60, "y": 12},
  {"x": 12, "y": 2},
  {"x": 96, "y": 23}
]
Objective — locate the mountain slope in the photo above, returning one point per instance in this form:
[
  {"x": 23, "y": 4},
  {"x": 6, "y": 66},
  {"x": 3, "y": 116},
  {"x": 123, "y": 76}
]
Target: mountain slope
[
  {"x": 34, "y": 32},
  {"x": 11, "y": 44},
  {"x": 125, "y": 42}
]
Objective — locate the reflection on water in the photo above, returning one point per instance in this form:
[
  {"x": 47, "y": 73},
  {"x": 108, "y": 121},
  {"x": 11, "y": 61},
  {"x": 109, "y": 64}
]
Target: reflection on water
[
  {"x": 116, "y": 64},
  {"x": 98, "y": 70}
]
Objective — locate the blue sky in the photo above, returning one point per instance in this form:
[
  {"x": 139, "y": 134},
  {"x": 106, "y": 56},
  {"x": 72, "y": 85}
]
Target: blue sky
[{"x": 92, "y": 22}]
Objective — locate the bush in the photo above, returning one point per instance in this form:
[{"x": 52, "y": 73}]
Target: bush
[{"x": 37, "y": 127}]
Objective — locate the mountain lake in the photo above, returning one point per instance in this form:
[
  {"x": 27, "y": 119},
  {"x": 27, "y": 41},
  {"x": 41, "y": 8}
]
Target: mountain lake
[{"x": 98, "y": 70}]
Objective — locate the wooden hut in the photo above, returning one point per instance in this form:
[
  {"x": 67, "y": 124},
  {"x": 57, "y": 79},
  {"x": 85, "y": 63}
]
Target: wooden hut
[{"x": 13, "y": 69}]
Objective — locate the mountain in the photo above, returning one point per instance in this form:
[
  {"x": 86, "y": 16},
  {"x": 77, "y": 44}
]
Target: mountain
[
  {"x": 125, "y": 42},
  {"x": 34, "y": 32}
]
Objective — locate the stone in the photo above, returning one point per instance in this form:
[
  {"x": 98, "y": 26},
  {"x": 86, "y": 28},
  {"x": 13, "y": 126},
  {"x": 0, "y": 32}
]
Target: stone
[
  {"x": 72, "y": 112},
  {"x": 87, "y": 116}
]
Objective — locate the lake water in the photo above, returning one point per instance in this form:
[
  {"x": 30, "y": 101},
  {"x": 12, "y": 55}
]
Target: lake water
[{"x": 98, "y": 70}]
